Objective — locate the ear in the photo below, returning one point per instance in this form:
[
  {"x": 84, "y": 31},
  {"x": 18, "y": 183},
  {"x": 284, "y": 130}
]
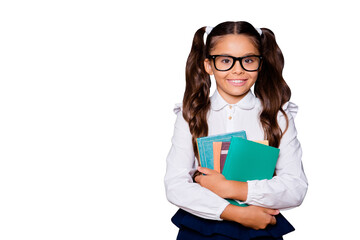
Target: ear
[{"x": 208, "y": 67}]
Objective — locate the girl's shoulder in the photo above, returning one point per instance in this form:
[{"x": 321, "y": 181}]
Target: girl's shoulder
[
  {"x": 181, "y": 125},
  {"x": 291, "y": 109}
]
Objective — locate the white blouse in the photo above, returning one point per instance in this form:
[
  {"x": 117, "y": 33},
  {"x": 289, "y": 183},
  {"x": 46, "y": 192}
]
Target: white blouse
[{"x": 286, "y": 190}]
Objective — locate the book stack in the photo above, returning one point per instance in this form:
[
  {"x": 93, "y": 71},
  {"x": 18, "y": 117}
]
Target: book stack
[{"x": 237, "y": 158}]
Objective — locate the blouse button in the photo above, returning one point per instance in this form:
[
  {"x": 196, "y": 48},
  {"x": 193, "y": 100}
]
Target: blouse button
[{"x": 230, "y": 117}]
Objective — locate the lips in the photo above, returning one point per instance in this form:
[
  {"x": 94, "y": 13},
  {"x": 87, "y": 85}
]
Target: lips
[{"x": 237, "y": 82}]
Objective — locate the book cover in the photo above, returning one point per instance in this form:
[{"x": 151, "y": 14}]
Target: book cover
[
  {"x": 265, "y": 142},
  {"x": 205, "y": 146},
  {"x": 225, "y": 148},
  {"x": 247, "y": 160},
  {"x": 224, "y": 151},
  {"x": 217, "y": 151}
]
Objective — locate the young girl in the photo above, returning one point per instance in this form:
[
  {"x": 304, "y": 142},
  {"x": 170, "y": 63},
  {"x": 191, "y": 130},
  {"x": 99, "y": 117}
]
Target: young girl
[{"x": 238, "y": 56}]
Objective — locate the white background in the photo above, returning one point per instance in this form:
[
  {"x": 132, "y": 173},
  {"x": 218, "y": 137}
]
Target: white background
[{"x": 86, "y": 97}]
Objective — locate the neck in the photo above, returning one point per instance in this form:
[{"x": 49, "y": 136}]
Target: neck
[{"x": 232, "y": 99}]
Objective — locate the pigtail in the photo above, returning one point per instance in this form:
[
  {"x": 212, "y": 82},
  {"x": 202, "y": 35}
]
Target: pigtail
[
  {"x": 196, "y": 102},
  {"x": 271, "y": 88}
]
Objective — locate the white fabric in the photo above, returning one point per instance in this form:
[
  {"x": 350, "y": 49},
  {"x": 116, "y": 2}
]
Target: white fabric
[
  {"x": 259, "y": 30},
  {"x": 208, "y": 30},
  {"x": 286, "y": 190}
]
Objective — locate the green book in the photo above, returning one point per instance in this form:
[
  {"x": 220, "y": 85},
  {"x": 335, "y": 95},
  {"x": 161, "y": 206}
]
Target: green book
[{"x": 248, "y": 160}]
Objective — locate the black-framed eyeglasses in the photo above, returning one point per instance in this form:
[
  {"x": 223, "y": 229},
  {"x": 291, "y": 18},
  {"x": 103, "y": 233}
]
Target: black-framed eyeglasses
[{"x": 249, "y": 63}]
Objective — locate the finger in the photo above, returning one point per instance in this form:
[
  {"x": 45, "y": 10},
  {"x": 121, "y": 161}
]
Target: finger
[
  {"x": 273, "y": 220},
  {"x": 272, "y": 211},
  {"x": 198, "y": 178},
  {"x": 206, "y": 171}
]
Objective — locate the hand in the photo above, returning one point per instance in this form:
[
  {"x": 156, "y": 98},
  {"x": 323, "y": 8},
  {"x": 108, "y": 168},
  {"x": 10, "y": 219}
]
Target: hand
[
  {"x": 214, "y": 181},
  {"x": 253, "y": 216},
  {"x": 259, "y": 217}
]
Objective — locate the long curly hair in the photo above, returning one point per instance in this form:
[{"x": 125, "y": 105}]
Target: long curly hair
[{"x": 270, "y": 86}]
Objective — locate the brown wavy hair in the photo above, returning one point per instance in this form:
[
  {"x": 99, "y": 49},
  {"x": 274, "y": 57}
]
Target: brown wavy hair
[{"x": 270, "y": 86}]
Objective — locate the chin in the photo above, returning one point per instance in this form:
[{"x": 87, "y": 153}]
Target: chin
[{"x": 239, "y": 93}]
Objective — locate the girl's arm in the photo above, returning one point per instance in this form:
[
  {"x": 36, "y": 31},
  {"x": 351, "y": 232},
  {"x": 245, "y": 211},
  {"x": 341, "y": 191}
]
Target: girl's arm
[
  {"x": 179, "y": 185},
  {"x": 217, "y": 183},
  {"x": 288, "y": 188},
  {"x": 252, "y": 216}
]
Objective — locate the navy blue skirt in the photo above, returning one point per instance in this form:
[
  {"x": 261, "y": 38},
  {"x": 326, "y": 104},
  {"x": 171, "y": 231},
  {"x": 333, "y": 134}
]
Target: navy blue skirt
[{"x": 195, "y": 228}]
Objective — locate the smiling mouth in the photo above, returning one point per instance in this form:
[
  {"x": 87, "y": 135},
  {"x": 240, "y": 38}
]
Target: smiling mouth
[{"x": 237, "y": 81}]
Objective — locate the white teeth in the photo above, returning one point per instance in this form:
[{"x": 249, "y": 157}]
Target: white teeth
[{"x": 237, "y": 81}]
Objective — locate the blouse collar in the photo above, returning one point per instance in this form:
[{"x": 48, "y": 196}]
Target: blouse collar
[{"x": 218, "y": 103}]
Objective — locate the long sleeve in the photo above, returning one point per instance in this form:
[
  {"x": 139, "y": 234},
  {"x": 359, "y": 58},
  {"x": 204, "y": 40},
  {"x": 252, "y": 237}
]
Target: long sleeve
[
  {"x": 181, "y": 165},
  {"x": 288, "y": 188}
]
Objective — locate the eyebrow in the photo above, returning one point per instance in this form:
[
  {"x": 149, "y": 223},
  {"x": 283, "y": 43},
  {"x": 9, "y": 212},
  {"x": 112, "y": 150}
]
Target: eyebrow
[{"x": 246, "y": 54}]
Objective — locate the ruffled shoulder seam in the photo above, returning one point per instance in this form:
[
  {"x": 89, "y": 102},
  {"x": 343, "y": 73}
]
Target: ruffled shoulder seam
[
  {"x": 177, "y": 108},
  {"x": 290, "y": 108}
]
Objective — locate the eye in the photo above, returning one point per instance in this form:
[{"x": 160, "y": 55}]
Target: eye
[
  {"x": 226, "y": 60},
  {"x": 249, "y": 60}
]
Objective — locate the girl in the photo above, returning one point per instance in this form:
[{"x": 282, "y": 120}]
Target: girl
[{"x": 239, "y": 56}]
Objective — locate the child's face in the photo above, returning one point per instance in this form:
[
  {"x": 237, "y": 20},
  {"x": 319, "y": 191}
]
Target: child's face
[{"x": 235, "y": 83}]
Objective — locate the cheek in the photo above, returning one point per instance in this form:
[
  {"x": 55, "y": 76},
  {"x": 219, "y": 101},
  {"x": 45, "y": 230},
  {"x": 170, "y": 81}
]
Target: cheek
[
  {"x": 254, "y": 76},
  {"x": 219, "y": 76}
]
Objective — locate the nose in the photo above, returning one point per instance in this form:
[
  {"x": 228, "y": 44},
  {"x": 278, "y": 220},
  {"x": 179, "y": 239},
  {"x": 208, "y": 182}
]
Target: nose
[{"x": 237, "y": 68}]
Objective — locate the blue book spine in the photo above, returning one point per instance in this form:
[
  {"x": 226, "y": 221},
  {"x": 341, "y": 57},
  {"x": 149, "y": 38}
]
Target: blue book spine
[{"x": 205, "y": 146}]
